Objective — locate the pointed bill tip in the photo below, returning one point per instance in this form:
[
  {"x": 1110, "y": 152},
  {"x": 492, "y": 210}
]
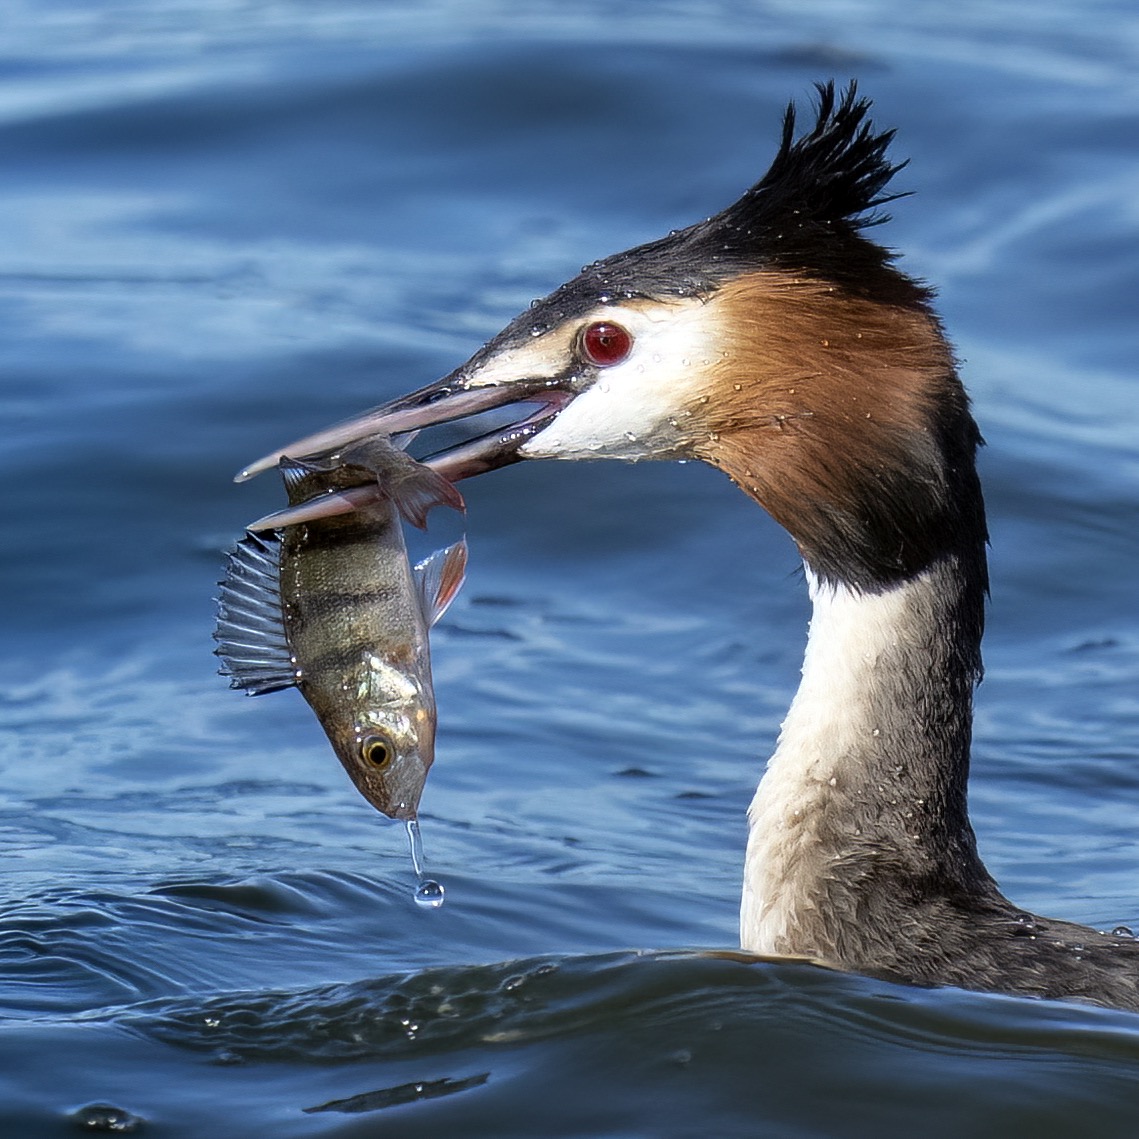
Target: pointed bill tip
[
  {"x": 246, "y": 473},
  {"x": 265, "y": 463}
]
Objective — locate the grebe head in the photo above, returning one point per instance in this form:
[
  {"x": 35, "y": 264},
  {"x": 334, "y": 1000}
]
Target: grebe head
[{"x": 773, "y": 340}]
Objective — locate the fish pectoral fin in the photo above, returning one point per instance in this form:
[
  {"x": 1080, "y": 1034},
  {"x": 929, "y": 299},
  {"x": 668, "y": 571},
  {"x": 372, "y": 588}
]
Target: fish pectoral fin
[
  {"x": 250, "y": 630},
  {"x": 439, "y": 579}
]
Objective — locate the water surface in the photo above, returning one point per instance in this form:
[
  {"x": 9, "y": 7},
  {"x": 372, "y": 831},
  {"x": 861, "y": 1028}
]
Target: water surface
[{"x": 224, "y": 225}]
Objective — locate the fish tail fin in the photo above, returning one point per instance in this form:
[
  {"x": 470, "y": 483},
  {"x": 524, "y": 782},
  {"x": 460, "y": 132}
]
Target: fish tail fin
[
  {"x": 250, "y": 630},
  {"x": 414, "y": 494},
  {"x": 439, "y": 579}
]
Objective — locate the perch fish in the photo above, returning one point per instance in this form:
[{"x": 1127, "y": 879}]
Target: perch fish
[{"x": 325, "y": 599}]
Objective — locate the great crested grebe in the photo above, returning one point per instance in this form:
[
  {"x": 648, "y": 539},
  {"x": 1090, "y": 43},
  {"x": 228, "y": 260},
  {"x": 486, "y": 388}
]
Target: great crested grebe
[{"x": 779, "y": 344}]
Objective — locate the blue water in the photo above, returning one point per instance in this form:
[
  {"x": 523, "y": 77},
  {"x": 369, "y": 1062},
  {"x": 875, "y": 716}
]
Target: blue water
[{"x": 225, "y": 224}]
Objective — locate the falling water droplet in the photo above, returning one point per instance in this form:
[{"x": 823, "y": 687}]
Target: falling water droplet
[{"x": 428, "y": 893}]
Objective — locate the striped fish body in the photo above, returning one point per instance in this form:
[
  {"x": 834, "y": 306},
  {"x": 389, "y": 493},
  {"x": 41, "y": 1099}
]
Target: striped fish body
[{"x": 350, "y": 618}]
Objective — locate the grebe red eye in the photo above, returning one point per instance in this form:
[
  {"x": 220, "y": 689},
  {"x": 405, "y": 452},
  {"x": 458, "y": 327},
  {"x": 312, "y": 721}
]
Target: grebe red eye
[{"x": 603, "y": 343}]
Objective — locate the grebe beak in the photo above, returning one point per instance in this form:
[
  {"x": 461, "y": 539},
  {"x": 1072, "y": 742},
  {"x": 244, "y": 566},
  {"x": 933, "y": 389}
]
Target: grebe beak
[{"x": 451, "y": 398}]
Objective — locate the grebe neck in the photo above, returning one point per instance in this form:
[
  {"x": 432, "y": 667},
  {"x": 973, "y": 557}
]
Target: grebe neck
[{"x": 862, "y": 811}]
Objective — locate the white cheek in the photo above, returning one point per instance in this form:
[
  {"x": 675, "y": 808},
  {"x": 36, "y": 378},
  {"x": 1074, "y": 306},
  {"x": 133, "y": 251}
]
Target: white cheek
[{"x": 636, "y": 409}]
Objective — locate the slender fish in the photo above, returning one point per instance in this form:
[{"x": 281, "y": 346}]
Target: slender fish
[{"x": 332, "y": 606}]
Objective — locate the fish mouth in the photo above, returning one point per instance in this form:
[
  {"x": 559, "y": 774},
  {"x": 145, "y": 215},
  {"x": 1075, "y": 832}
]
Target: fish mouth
[{"x": 540, "y": 400}]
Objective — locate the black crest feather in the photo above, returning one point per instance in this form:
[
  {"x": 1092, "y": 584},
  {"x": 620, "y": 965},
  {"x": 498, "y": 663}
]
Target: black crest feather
[
  {"x": 804, "y": 216},
  {"x": 806, "y": 213},
  {"x": 833, "y": 174}
]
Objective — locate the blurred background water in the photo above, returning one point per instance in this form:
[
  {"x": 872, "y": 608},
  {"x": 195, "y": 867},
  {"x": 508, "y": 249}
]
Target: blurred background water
[{"x": 225, "y": 224}]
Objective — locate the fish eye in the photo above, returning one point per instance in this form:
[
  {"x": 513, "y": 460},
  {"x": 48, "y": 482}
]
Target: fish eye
[
  {"x": 377, "y": 751},
  {"x": 604, "y": 343}
]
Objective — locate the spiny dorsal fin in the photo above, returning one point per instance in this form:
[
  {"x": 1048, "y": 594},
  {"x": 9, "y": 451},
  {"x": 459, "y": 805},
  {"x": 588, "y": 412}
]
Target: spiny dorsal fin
[
  {"x": 250, "y": 631},
  {"x": 439, "y": 579}
]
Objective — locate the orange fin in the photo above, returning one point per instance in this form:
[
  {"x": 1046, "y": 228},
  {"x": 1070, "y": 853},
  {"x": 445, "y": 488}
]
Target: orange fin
[{"x": 439, "y": 579}]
